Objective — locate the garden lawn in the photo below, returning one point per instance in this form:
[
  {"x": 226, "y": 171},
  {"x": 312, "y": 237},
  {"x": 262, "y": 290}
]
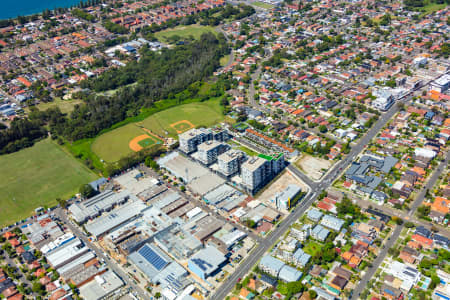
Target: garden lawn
[
  {"x": 35, "y": 177},
  {"x": 184, "y": 31},
  {"x": 312, "y": 248},
  {"x": 432, "y": 7},
  {"x": 224, "y": 60}
]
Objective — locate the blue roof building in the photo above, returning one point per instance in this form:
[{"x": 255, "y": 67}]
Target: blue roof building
[
  {"x": 332, "y": 222},
  {"x": 206, "y": 262},
  {"x": 320, "y": 233},
  {"x": 271, "y": 265},
  {"x": 289, "y": 274},
  {"x": 314, "y": 214},
  {"x": 301, "y": 258},
  {"x": 159, "y": 268}
]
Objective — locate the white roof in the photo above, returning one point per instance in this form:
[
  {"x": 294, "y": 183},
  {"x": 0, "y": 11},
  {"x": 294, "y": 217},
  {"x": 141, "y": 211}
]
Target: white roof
[
  {"x": 63, "y": 254},
  {"x": 115, "y": 218},
  {"x": 193, "y": 212},
  {"x": 102, "y": 286}
]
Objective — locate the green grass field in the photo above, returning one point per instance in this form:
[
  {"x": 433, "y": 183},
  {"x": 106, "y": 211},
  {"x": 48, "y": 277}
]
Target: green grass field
[
  {"x": 262, "y": 5},
  {"x": 184, "y": 31},
  {"x": 431, "y": 8},
  {"x": 148, "y": 142},
  {"x": 113, "y": 145},
  {"x": 66, "y": 106},
  {"x": 224, "y": 60},
  {"x": 35, "y": 177},
  {"x": 201, "y": 113}
]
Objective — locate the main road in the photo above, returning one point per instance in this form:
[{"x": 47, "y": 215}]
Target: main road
[
  {"x": 395, "y": 235},
  {"x": 298, "y": 211},
  {"x": 100, "y": 254}
]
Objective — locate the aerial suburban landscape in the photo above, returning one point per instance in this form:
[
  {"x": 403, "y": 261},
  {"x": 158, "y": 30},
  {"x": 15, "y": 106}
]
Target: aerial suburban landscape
[{"x": 225, "y": 149}]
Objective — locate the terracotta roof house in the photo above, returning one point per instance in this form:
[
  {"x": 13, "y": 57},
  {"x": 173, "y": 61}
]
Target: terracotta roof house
[{"x": 423, "y": 241}]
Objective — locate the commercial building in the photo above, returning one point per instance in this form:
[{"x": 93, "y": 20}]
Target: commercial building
[
  {"x": 160, "y": 268},
  {"x": 384, "y": 99},
  {"x": 206, "y": 262},
  {"x": 115, "y": 218},
  {"x": 178, "y": 242},
  {"x": 219, "y": 194},
  {"x": 93, "y": 207},
  {"x": 229, "y": 162},
  {"x": 190, "y": 139},
  {"x": 102, "y": 286},
  {"x": 283, "y": 199},
  {"x": 210, "y": 150},
  {"x": 67, "y": 253},
  {"x": 442, "y": 84}
]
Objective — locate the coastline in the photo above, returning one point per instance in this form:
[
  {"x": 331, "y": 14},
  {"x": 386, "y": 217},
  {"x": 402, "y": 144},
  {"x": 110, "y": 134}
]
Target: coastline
[{"x": 11, "y": 10}]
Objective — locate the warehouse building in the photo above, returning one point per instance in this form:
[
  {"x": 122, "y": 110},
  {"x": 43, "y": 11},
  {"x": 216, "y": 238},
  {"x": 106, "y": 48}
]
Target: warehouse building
[
  {"x": 102, "y": 286},
  {"x": 115, "y": 218},
  {"x": 207, "y": 262},
  {"x": 93, "y": 207}
]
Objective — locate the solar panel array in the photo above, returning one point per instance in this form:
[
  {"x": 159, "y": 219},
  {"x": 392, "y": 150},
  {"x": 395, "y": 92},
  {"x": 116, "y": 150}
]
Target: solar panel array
[
  {"x": 202, "y": 264},
  {"x": 153, "y": 258}
]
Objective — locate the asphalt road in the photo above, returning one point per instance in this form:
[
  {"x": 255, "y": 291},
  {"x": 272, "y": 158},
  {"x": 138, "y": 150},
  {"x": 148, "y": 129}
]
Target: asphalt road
[
  {"x": 100, "y": 254},
  {"x": 430, "y": 183},
  {"x": 376, "y": 263},
  {"x": 297, "y": 212},
  {"x": 203, "y": 205},
  {"x": 419, "y": 199}
]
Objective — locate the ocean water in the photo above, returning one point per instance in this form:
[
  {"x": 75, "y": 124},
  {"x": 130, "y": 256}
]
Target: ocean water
[{"x": 12, "y": 9}]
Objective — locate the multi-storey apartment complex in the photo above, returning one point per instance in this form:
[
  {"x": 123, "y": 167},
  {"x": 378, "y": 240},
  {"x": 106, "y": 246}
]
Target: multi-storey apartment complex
[
  {"x": 229, "y": 162},
  {"x": 190, "y": 139},
  {"x": 257, "y": 171},
  {"x": 210, "y": 150}
]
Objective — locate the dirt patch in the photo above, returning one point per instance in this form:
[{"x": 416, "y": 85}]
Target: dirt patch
[
  {"x": 279, "y": 185},
  {"x": 182, "y": 126},
  {"x": 313, "y": 167},
  {"x": 134, "y": 143}
]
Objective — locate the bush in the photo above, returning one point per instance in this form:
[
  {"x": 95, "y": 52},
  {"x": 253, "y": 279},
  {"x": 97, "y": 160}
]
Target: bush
[{"x": 409, "y": 225}]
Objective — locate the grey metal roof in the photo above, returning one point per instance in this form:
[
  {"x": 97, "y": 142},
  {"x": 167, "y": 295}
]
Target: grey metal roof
[
  {"x": 208, "y": 259},
  {"x": 271, "y": 263},
  {"x": 314, "y": 214},
  {"x": 289, "y": 274}
]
